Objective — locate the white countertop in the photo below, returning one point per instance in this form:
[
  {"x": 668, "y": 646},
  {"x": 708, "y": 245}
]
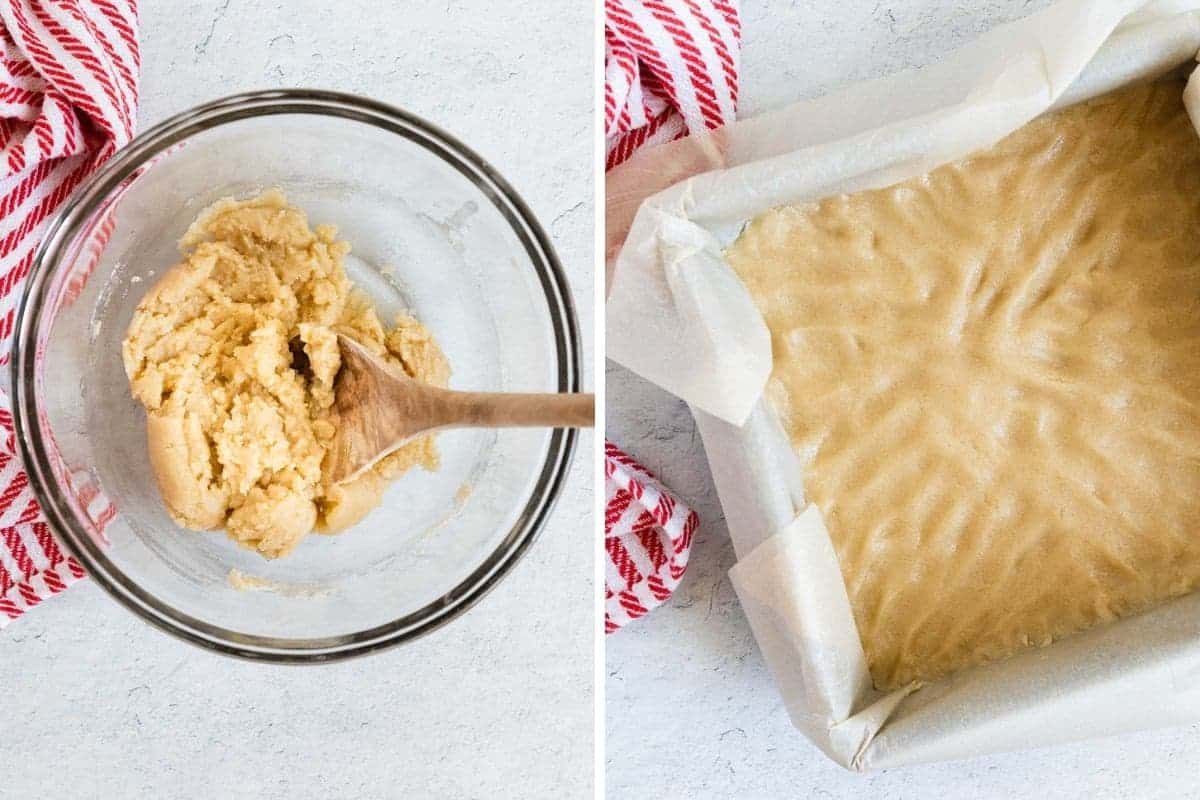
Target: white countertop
[
  {"x": 497, "y": 704},
  {"x": 691, "y": 710}
]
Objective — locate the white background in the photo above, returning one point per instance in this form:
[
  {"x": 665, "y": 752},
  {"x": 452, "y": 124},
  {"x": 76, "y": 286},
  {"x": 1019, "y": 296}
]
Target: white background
[
  {"x": 94, "y": 703},
  {"x": 691, "y": 710}
]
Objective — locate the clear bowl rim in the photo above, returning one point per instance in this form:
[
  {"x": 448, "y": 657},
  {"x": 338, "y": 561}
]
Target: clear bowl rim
[{"x": 99, "y": 189}]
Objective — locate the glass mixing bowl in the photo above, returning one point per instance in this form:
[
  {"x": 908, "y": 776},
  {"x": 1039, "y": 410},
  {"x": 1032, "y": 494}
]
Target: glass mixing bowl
[{"x": 435, "y": 231}]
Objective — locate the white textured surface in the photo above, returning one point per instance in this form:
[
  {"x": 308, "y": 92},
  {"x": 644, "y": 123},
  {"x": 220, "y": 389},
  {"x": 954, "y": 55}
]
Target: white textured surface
[
  {"x": 497, "y": 704},
  {"x": 691, "y": 710}
]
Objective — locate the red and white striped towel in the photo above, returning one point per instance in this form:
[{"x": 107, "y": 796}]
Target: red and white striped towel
[
  {"x": 68, "y": 100},
  {"x": 670, "y": 67},
  {"x": 648, "y": 537}
]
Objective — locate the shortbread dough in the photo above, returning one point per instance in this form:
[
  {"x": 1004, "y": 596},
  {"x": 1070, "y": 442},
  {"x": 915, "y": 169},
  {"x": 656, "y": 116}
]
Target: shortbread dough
[
  {"x": 236, "y": 434},
  {"x": 992, "y": 375}
]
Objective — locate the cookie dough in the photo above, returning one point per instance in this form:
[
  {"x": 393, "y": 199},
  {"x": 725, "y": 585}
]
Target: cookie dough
[
  {"x": 992, "y": 374},
  {"x": 237, "y": 434}
]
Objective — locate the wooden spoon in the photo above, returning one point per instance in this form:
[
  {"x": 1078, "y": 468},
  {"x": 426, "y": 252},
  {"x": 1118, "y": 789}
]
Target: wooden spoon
[{"x": 379, "y": 408}]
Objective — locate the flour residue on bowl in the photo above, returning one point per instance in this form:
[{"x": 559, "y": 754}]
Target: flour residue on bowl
[{"x": 244, "y": 582}]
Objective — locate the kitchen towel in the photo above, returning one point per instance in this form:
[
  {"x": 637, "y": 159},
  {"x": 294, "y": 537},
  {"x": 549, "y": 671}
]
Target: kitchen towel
[
  {"x": 670, "y": 68},
  {"x": 68, "y": 100},
  {"x": 648, "y": 537}
]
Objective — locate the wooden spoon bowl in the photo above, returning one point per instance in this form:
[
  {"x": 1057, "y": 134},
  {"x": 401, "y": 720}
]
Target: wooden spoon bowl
[{"x": 379, "y": 408}]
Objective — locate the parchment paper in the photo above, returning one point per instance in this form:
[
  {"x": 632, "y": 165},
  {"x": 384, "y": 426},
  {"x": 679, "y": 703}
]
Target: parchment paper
[{"x": 679, "y": 316}]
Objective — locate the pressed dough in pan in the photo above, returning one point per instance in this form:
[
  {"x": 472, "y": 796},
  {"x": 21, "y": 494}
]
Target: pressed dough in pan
[
  {"x": 236, "y": 435},
  {"x": 992, "y": 374}
]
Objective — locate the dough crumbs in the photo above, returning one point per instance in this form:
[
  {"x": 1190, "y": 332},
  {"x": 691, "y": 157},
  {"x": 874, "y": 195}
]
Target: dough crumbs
[
  {"x": 992, "y": 373},
  {"x": 236, "y": 436}
]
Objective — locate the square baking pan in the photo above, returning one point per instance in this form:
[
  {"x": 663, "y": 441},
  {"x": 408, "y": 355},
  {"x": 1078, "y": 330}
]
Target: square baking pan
[{"x": 671, "y": 286}]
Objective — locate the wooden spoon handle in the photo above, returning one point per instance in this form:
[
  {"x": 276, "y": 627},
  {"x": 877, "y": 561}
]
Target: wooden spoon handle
[{"x": 503, "y": 410}]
